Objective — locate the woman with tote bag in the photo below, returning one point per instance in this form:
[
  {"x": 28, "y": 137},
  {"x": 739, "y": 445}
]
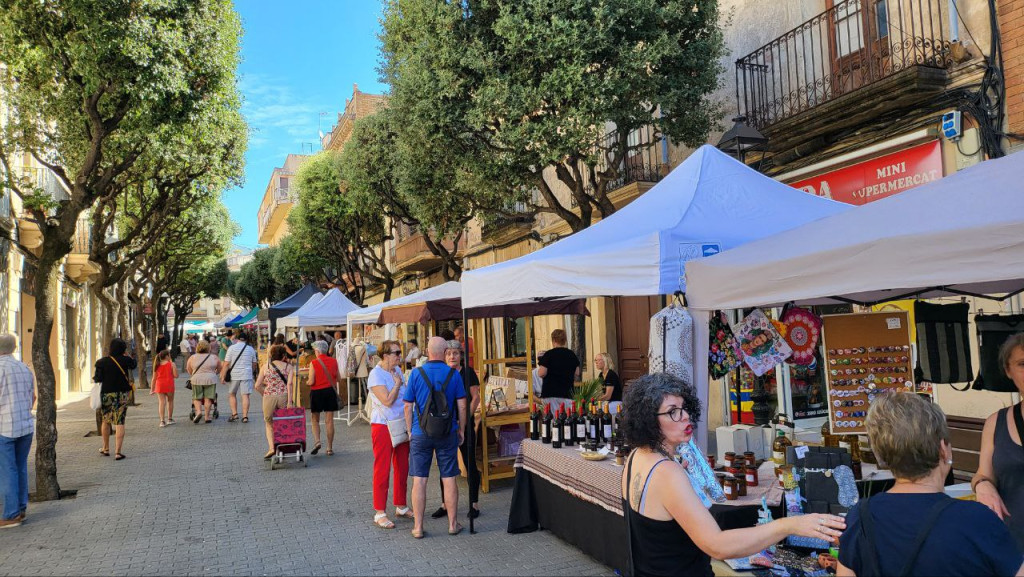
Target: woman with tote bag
[{"x": 387, "y": 425}]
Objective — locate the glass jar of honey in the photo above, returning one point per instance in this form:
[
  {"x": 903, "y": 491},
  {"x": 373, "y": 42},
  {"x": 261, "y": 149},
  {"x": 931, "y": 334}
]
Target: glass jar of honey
[
  {"x": 751, "y": 476},
  {"x": 731, "y": 489}
]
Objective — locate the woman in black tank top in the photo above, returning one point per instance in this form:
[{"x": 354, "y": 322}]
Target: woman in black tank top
[
  {"x": 999, "y": 482},
  {"x": 670, "y": 531}
]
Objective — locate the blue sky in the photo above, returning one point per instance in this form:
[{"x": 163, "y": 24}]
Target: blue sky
[{"x": 298, "y": 59}]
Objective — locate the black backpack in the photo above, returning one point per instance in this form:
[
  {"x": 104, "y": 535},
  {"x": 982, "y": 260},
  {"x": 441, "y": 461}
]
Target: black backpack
[{"x": 436, "y": 420}]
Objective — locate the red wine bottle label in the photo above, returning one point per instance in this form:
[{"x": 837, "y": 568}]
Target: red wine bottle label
[
  {"x": 581, "y": 431},
  {"x": 555, "y": 434},
  {"x": 593, "y": 431},
  {"x": 607, "y": 431},
  {"x": 545, "y": 429}
]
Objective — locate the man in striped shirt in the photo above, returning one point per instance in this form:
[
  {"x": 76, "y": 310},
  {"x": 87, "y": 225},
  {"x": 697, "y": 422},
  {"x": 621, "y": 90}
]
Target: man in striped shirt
[{"x": 17, "y": 395}]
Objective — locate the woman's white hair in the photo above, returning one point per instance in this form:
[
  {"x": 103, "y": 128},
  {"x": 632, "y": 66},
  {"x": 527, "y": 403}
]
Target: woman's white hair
[{"x": 320, "y": 347}]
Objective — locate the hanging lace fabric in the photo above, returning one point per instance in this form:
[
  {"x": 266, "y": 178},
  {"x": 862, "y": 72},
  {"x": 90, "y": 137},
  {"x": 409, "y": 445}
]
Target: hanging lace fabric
[{"x": 671, "y": 343}]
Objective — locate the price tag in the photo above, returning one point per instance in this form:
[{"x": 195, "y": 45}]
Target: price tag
[
  {"x": 892, "y": 323},
  {"x": 801, "y": 451}
]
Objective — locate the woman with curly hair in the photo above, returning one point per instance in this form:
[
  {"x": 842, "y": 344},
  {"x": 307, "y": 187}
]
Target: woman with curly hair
[{"x": 671, "y": 532}]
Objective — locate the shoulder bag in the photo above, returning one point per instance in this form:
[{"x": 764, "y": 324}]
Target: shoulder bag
[
  {"x": 227, "y": 377},
  {"x": 398, "y": 429},
  {"x": 188, "y": 383}
]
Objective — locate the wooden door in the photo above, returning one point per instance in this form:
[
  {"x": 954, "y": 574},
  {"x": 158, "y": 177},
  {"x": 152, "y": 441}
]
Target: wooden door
[
  {"x": 859, "y": 43},
  {"x": 632, "y": 320}
]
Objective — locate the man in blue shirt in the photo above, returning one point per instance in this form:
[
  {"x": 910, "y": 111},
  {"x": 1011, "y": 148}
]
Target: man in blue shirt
[{"x": 422, "y": 447}]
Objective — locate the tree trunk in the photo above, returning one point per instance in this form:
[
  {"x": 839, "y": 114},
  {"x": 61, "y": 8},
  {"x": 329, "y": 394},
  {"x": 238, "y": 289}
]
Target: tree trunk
[
  {"x": 138, "y": 331},
  {"x": 111, "y": 307},
  {"x": 45, "y": 292}
]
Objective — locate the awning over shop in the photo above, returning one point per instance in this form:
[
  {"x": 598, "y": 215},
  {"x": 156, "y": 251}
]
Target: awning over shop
[
  {"x": 708, "y": 204},
  {"x": 962, "y": 235},
  {"x": 451, "y": 309}
]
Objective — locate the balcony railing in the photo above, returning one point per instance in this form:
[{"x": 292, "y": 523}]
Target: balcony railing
[
  {"x": 851, "y": 45},
  {"x": 280, "y": 196},
  {"x": 515, "y": 214},
  {"x": 641, "y": 159},
  {"x": 42, "y": 180},
  {"x": 413, "y": 254}
]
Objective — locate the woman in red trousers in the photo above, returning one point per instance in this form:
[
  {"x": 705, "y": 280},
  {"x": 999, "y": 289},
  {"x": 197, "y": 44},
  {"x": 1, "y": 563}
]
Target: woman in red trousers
[{"x": 386, "y": 388}]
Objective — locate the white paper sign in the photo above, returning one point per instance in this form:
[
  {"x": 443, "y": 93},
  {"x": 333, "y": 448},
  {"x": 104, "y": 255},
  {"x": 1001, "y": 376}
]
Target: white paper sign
[
  {"x": 801, "y": 451},
  {"x": 892, "y": 323}
]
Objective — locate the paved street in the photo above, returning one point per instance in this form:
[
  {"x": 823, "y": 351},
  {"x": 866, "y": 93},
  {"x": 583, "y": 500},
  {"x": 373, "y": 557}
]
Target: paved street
[{"x": 198, "y": 500}]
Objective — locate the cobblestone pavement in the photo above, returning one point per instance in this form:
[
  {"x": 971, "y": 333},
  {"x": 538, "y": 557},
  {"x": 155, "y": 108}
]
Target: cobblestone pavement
[{"x": 198, "y": 500}]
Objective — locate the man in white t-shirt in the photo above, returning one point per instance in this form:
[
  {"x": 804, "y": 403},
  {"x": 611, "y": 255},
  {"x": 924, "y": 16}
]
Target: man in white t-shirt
[
  {"x": 241, "y": 361},
  {"x": 414, "y": 354},
  {"x": 185, "y": 346}
]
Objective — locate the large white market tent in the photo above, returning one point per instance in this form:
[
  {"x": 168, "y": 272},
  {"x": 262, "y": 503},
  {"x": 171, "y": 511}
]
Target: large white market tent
[
  {"x": 327, "y": 310},
  {"x": 709, "y": 203},
  {"x": 962, "y": 235},
  {"x": 959, "y": 235},
  {"x": 292, "y": 320}
]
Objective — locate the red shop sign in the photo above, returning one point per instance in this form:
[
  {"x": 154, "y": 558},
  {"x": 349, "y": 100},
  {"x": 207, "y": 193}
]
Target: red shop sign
[{"x": 879, "y": 177}]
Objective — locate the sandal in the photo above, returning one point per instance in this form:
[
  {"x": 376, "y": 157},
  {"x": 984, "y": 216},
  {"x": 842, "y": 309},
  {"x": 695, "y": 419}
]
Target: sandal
[
  {"x": 245, "y": 419},
  {"x": 105, "y": 453},
  {"x": 232, "y": 418},
  {"x": 404, "y": 512},
  {"x": 456, "y": 530},
  {"x": 315, "y": 450},
  {"x": 330, "y": 452},
  {"x": 118, "y": 456},
  {"x": 418, "y": 534},
  {"x": 162, "y": 424},
  {"x": 382, "y": 521},
  {"x": 269, "y": 456}
]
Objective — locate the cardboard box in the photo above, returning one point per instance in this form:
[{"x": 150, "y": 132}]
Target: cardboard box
[
  {"x": 755, "y": 440},
  {"x": 732, "y": 439}
]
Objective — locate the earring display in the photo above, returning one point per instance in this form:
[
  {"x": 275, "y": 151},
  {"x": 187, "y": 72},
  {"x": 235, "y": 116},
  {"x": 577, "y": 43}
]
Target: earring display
[{"x": 866, "y": 355}]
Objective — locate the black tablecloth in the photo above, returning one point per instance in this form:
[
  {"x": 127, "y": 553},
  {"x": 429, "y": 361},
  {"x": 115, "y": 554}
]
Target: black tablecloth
[{"x": 539, "y": 504}]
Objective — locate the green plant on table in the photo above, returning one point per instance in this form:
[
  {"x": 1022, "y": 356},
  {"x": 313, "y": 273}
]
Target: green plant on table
[{"x": 587, "y": 391}]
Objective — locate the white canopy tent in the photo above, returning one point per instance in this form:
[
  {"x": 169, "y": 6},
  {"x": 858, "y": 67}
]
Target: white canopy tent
[
  {"x": 220, "y": 323},
  {"x": 962, "y": 235},
  {"x": 292, "y": 320},
  {"x": 327, "y": 310},
  {"x": 709, "y": 203}
]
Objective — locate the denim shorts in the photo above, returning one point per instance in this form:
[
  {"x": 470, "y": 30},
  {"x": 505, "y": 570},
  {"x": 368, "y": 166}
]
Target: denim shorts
[{"x": 421, "y": 453}]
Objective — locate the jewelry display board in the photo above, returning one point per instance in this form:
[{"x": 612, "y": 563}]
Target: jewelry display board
[{"x": 865, "y": 354}]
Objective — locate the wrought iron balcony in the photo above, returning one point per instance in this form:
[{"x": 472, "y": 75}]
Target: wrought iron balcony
[
  {"x": 852, "y": 45},
  {"x": 516, "y": 220},
  {"x": 640, "y": 159}
]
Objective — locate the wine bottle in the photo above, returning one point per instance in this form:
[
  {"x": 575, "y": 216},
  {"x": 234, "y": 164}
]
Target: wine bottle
[
  {"x": 599, "y": 425},
  {"x": 581, "y": 426},
  {"x": 556, "y": 430},
  {"x": 591, "y": 423},
  {"x": 606, "y": 423},
  {"x": 617, "y": 421},
  {"x": 534, "y": 423},
  {"x": 546, "y": 425},
  {"x": 569, "y": 428}
]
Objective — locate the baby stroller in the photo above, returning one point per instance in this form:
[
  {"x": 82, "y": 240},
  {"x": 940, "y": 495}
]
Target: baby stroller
[{"x": 215, "y": 413}]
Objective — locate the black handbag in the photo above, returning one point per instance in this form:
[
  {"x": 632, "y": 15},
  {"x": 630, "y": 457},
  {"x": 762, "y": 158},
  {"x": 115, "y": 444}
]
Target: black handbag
[{"x": 993, "y": 330}]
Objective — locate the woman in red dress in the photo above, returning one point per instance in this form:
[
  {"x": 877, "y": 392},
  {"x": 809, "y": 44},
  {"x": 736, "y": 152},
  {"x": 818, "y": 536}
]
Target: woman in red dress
[{"x": 164, "y": 373}]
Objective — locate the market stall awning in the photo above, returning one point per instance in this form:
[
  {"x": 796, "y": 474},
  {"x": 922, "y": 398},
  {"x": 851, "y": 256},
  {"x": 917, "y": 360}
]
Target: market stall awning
[
  {"x": 708, "y": 204},
  {"x": 199, "y": 327},
  {"x": 330, "y": 310},
  {"x": 371, "y": 314},
  {"x": 221, "y": 322},
  {"x": 292, "y": 303},
  {"x": 250, "y": 316},
  {"x": 959, "y": 235},
  {"x": 236, "y": 318},
  {"x": 450, "y": 309}
]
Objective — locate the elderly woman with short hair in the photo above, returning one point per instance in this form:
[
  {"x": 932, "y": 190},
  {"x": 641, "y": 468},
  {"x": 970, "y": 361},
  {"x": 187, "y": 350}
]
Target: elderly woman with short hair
[
  {"x": 671, "y": 532},
  {"x": 323, "y": 396},
  {"x": 914, "y": 528}
]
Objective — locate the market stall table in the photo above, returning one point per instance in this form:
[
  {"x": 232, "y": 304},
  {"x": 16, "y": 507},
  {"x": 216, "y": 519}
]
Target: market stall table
[{"x": 592, "y": 521}]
